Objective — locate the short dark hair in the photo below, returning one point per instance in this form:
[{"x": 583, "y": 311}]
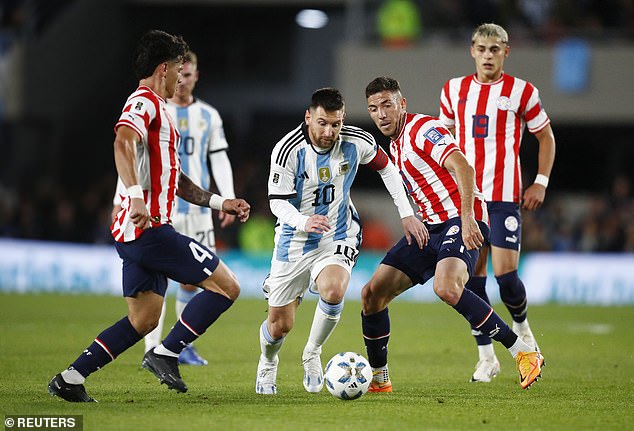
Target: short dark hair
[
  {"x": 328, "y": 98},
  {"x": 156, "y": 47},
  {"x": 382, "y": 83}
]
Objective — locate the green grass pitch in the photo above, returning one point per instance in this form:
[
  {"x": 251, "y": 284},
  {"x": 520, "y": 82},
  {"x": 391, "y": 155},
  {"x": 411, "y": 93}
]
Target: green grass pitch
[{"x": 588, "y": 381}]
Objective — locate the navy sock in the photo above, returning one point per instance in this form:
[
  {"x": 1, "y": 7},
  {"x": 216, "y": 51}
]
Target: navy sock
[
  {"x": 482, "y": 317},
  {"x": 513, "y": 295},
  {"x": 199, "y": 314},
  {"x": 376, "y": 335},
  {"x": 478, "y": 286},
  {"x": 106, "y": 347}
]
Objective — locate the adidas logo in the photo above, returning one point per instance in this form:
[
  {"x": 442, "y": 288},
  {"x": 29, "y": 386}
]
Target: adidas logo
[{"x": 304, "y": 175}]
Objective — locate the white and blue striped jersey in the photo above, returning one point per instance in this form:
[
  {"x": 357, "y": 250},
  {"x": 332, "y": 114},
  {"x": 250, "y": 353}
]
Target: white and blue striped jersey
[
  {"x": 318, "y": 182},
  {"x": 202, "y": 134}
]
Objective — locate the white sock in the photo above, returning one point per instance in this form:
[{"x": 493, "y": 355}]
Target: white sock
[
  {"x": 153, "y": 338},
  {"x": 268, "y": 345},
  {"x": 161, "y": 350},
  {"x": 486, "y": 351},
  {"x": 519, "y": 346},
  {"x": 381, "y": 374},
  {"x": 73, "y": 377},
  {"x": 324, "y": 322},
  {"x": 521, "y": 326}
]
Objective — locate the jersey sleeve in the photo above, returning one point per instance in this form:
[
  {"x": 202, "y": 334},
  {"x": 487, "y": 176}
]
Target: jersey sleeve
[
  {"x": 446, "y": 116},
  {"x": 435, "y": 140},
  {"x": 137, "y": 114},
  {"x": 281, "y": 182},
  {"x": 534, "y": 113},
  {"x": 217, "y": 139}
]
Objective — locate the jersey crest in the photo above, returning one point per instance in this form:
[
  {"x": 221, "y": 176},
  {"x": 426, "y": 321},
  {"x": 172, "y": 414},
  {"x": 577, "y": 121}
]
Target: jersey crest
[
  {"x": 343, "y": 168},
  {"x": 324, "y": 174},
  {"x": 503, "y": 103}
]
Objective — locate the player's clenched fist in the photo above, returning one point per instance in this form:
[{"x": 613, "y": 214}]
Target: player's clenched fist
[
  {"x": 237, "y": 207},
  {"x": 317, "y": 224}
]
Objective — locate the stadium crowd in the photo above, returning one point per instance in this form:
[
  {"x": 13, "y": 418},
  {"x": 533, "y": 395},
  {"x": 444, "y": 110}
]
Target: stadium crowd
[
  {"x": 545, "y": 21},
  {"x": 568, "y": 222}
]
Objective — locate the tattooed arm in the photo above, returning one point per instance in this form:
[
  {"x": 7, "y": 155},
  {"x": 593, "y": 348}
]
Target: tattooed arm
[
  {"x": 191, "y": 192},
  {"x": 197, "y": 196}
]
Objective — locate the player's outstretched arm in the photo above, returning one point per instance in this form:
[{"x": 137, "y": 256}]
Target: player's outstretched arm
[{"x": 197, "y": 196}]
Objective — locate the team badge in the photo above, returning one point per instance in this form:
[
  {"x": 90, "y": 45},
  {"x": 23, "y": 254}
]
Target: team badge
[
  {"x": 511, "y": 223},
  {"x": 324, "y": 174},
  {"x": 183, "y": 124},
  {"x": 503, "y": 103},
  {"x": 202, "y": 125},
  {"x": 344, "y": 167},
  {"x": 433, "y": 136},
  {"x": 453, "y": 230}
]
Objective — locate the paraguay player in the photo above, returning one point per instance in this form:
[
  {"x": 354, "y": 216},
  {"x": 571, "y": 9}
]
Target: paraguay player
[
  {"x": 488, "y": 112},
  {"x": 203, "y": 154},
  {"x": 441, "y": 181}
]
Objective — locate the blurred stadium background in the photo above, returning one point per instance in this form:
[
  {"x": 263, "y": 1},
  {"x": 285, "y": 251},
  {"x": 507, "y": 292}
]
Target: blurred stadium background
[{"x": 65, "y": 71}]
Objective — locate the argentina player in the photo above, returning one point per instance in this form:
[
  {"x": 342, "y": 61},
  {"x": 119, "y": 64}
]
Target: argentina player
[{"x": 318, "y": 231}]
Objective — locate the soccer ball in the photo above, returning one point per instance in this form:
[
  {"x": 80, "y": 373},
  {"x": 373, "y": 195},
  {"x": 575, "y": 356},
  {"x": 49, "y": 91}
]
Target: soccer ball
[{"x": 348, "y": 375}]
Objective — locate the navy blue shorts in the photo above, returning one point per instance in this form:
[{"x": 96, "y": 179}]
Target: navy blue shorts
[
  {"x": 445, "y": 241},
  {"x": 162, "y": 253},
  {"x": 505, "y": 220}
]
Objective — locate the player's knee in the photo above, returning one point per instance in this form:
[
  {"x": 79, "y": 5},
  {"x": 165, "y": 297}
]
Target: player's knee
[
  {"x": 448, "y": 288},
  {"x": 226, "y": 284},
  {"x": 144, "y": 324},
  {"x": 232, "y": 289},
  {"x": 333, "y": 294},
  {"x": 370, "y": 300}
]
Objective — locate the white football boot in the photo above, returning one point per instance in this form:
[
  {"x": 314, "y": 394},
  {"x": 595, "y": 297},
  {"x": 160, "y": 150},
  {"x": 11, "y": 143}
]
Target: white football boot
[
  {"x": 486, "y": 369},
  {"x": 313, "y": 373},
  {"x": 266, "y": 377}
]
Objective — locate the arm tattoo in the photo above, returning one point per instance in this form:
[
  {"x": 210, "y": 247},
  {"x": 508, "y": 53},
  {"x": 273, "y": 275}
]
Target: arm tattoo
[{"x": 191, "y": 192}]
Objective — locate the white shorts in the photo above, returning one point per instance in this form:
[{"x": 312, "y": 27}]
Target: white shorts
[
  {"x": 288, "y": 281},
  {"x": 197, "y": 226}
]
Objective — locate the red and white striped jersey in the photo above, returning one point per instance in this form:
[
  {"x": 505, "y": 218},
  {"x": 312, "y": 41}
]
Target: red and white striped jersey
[
  {"x": 489, "y": 120},
  {"x": 419, "y": 153},
  {"x": 158, "y": 164}
]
